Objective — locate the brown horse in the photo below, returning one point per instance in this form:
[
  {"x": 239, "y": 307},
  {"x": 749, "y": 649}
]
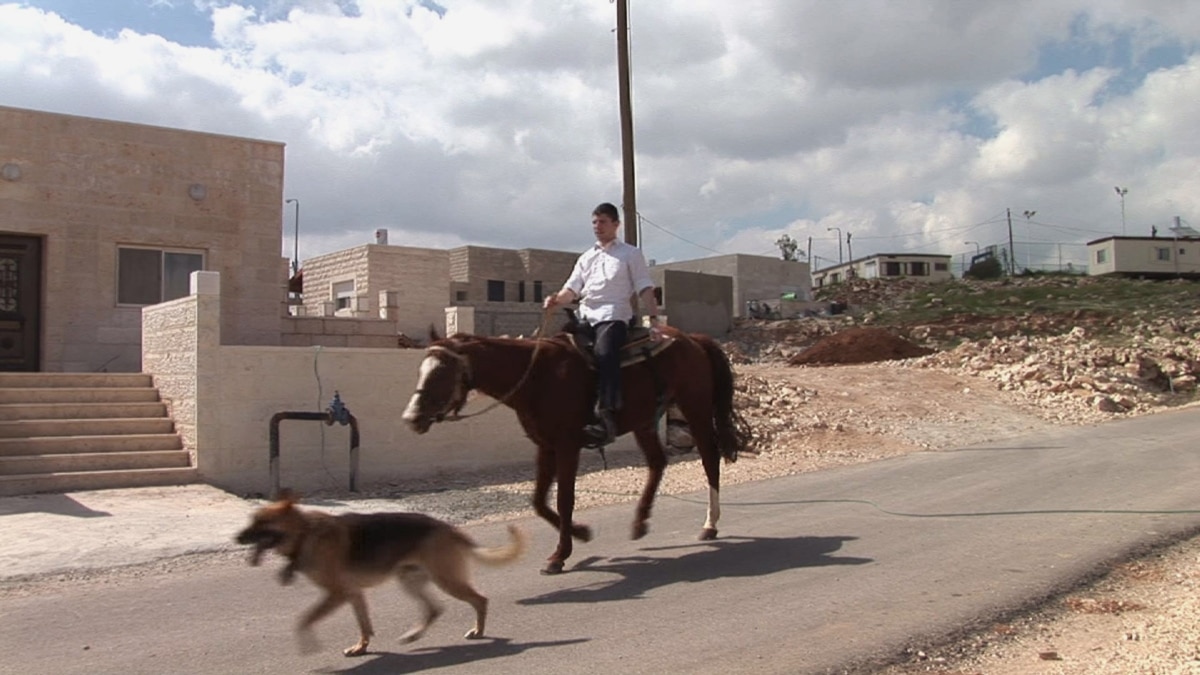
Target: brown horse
[{"x": 550, "y": 385}]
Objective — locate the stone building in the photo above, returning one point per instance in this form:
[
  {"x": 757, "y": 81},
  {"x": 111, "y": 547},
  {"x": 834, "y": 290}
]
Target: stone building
[{"x": 99, "y": 219}]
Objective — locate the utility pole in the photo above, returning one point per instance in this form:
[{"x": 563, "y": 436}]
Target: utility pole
[
  {"x": 630, "y": 197},
  {"x": 1012, "y": 266},
  {"x": 849, "y": 250},
  {"x": 808, "y": 256}
]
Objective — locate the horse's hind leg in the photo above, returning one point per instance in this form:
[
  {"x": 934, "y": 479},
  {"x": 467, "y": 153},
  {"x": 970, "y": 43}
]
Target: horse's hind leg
[
  {"x": 701, "y": 424},
  {"x": 656, "y": 463}
]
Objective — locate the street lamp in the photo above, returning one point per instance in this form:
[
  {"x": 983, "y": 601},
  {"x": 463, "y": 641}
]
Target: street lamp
[
  {"x": 976, "y": 245},
  {"x": 839, "y": 231},
  {"x": 1029, "y": 235},
  {"x": 1121, "y": 192},
  {"x": 295, "y": 238}
]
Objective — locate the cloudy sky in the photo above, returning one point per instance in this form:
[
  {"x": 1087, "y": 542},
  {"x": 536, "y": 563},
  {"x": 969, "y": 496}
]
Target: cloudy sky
[{"x": 907, "y": 125}]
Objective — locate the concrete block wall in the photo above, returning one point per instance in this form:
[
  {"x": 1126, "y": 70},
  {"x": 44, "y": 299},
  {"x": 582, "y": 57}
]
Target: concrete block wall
[
  {"x": 754, "y": 277},
  {"x": 88, "y": 185}
]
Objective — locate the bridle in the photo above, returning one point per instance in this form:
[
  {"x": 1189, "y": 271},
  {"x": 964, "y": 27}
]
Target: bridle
[{"x": 465, "y": 382}]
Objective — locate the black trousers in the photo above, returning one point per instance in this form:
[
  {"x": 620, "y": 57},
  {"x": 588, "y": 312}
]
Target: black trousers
[{"x": 608, "y": 339}]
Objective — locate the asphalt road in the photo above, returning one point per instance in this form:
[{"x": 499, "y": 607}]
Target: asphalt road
[{"x": 812, "y": 574}]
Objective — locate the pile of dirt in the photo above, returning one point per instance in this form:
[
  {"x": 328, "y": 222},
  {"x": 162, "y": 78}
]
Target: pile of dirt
[{"x": 858, "y": 345}]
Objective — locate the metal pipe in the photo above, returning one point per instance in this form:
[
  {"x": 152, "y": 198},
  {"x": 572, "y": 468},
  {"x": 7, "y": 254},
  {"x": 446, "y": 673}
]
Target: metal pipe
[{"x": 328, "y": 417}]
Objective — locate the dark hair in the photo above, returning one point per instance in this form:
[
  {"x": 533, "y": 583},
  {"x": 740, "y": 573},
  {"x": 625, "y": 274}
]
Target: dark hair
[{"x": 607, "y": 209}]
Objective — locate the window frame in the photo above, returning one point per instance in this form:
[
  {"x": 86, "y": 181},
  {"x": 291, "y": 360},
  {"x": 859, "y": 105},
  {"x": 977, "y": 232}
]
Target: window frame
[{"x": 165, "y": 291}]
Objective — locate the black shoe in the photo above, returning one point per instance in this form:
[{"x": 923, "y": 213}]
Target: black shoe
[{"x": 600, "y": 432}]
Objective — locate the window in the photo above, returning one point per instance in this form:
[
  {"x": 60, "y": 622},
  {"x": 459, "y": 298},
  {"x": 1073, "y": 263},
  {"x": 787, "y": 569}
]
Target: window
[
  {"x": 941, "y": 267},
  {"x": 918, "y": 269},
  {"x": 1101, "y": 256},
  {"x": 537, "y": 291},
  {"x": 891, "y": 269},
  {"x": 520, "y": 291},
  {"x": 460, "y": 296},
  {"x": 495, "y": 291},
  {"x": 343, "y": 294},
  {"x": 148, "y": 276},
  {"x": 1162, "y": 253}
]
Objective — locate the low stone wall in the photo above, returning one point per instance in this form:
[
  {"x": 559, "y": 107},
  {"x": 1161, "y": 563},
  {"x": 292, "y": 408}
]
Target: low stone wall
[{"x": 223, "y": 397}]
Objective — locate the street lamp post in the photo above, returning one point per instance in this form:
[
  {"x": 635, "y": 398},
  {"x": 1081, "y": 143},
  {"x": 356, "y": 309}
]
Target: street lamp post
[
  {"x": 295, "y": 238},
  {"x": 1121, "y": 192},
  {"x": 839, "y": 238},
  {"x": 1029, "y": 235},
  {"x": 976, "y": 245}
]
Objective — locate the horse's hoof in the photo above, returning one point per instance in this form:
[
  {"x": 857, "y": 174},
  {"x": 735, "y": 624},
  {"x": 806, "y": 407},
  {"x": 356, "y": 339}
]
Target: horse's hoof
[
  {"x": 581, "y": 532},
  {"x": 639, "y": 530},
  {"x": 708, "y": 534},
  {"x": 553, "y": 567}
]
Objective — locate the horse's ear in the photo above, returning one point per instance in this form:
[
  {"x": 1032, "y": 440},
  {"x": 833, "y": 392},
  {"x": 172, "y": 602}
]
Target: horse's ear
[
  {"x": 287, "y": 495},
  {"x": 433, "y": 335}
]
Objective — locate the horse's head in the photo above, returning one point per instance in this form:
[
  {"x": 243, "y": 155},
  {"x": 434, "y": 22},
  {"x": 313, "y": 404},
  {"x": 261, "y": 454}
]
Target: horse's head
[{"x": 443, "y": 382}]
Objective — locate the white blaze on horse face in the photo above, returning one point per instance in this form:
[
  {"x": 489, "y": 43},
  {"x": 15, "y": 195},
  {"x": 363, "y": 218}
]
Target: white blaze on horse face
[{"x": 413, "y": 411}]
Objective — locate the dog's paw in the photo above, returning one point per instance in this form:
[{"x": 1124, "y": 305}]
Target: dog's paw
[
  {"x": 256, "y": 555},
  {"x": 286, "y": 576}
]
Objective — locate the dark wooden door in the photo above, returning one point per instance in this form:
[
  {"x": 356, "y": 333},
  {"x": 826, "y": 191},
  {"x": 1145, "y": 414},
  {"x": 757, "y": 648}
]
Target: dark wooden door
[{"x": 20, "y": 302}]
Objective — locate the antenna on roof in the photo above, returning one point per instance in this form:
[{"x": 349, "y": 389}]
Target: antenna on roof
[{"x": 1182, "y": 231}]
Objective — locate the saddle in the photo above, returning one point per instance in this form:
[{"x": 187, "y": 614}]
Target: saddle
[{"x": 638, "y": 345}]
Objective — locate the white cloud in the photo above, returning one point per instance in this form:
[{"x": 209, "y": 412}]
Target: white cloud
[{"x": 906, "y": 124}]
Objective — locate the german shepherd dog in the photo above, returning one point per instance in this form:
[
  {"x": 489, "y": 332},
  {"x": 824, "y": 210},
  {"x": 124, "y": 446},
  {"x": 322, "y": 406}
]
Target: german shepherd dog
[{"x": 345, "y": 554}]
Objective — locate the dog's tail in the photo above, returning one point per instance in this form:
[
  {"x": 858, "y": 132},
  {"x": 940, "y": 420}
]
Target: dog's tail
[{"x": 501, "y": 555}]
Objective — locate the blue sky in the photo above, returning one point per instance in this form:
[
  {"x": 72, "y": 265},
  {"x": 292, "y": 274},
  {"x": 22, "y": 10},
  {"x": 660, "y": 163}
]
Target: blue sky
[{"x": 911, "y": 124}]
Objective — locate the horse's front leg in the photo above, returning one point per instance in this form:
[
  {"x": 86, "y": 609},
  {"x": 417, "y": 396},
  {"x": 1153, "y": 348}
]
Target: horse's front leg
[
  {"x": 568, "y": 466},
  {"x": 541, "y": 486},
  {"x": 656, "y": 463}
]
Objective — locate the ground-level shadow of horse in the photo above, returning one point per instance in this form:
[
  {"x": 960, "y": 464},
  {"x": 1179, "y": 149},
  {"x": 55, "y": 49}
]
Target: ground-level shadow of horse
[
  {"x": 728, "y": 557},
  {"x": 428, "y": 658}
]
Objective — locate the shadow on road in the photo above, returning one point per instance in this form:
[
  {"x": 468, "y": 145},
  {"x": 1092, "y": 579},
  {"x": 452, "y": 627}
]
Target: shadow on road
[
  {"x": 730, "y": 557},
  {"x": 57, "y": 504},
  {"x": 441, "y": 657}
]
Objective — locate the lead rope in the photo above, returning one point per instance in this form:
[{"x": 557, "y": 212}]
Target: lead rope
[{"x": 537, "y": 335}]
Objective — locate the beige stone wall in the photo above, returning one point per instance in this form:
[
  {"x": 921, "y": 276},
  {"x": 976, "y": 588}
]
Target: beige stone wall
[
  {"x": 224, "y": 397},
  {"x": 88, "y": 185},
  {"x": 420, "y": 278},
  {"x": 473, "y": 266}
]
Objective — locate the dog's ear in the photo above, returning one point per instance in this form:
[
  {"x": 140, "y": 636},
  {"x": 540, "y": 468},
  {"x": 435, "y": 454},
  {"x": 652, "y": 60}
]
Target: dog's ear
[{"x": 288, "y": 496}]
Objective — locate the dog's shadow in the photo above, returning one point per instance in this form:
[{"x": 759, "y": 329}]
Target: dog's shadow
[
  {"x": 728, "y": 557},
  {"x": 429, "y": 658}
]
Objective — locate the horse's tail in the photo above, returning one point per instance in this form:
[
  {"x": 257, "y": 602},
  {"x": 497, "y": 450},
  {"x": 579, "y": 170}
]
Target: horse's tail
[{"x": 733, "y": 432}]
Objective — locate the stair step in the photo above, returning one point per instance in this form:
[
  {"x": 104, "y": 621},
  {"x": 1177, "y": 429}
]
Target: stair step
[
  {"x": 75, "y": 380},
  {"x": 85, "y": 427},
  {"x": 78, "y": 395},
  {"x": 96, "y": 461},
  {"x": 24, "y": 484},
  {"x": 80, "y": 411},
  {"x": 66, "y": 445}
]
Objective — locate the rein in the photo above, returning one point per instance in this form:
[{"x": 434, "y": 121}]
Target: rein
[{"x": 503, "y": 399}]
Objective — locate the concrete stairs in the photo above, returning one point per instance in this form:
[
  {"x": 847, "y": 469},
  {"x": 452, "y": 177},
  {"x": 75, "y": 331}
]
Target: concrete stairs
[{"x": 64, "y": 432}]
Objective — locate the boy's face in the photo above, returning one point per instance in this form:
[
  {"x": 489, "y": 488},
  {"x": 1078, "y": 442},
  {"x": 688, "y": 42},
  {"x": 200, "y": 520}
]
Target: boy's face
[{"x": 605, "y": 228}]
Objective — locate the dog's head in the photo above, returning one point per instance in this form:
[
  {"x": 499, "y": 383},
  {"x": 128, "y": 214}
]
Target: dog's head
[{"x": 274, "y": 526}]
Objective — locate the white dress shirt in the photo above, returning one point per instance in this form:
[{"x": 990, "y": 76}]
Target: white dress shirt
[{"x": 605, "y": 278}]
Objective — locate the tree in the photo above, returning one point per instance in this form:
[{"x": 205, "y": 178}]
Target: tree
[{"x": 789, "y": 248}]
